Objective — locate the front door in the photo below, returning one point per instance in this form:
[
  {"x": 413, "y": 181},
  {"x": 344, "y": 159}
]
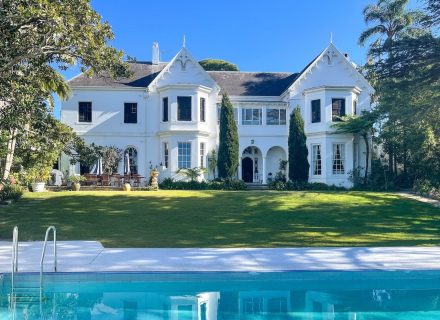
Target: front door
[{"x": 246, "y": 170}]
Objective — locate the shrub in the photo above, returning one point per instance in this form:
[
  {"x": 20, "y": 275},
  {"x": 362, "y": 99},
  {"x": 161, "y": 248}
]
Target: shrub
[
  {"x": 11, "y": 192},
  {"x": 228, "y": 184},
  {"x": 302, "y": 186},
  {"x": 427, "y": 189}
]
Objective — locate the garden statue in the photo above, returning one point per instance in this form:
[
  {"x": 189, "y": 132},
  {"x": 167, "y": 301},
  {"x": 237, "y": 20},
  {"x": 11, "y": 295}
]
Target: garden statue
[{"x": 154, "y": 174}]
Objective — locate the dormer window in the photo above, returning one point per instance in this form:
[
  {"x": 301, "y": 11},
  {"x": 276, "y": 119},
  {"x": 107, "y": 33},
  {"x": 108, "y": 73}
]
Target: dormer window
[{"x": 184, "y": 108}]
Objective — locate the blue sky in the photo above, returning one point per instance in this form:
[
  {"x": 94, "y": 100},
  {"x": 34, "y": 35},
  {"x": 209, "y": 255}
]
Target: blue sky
[{"x": 257, "y": 35}]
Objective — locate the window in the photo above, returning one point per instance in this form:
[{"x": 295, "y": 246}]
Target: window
[
  {"x": 202, "y": 154},
  {"x": 130, "y": 112},
  {"x": 85, "y": 112},
  {"x": 166, "y": 153},
  {"x": 165, "y": 110},
  {"x": 338, "y": 109},
  {"x": 202, "y": 109},
  {"x": 184, "y": 155},
  {"x": 219, "y": 110},
  {"x": 250, "y": 116},
  {"x": 130, "y": 161},
  {"x": 338, "y": 158},
  {"x": 316, "y": 111},
  {"x": 355, "y": 104},
  {"x": 275, "y": 116},
  {"x": 316, "y": 160},
  {"x": 184, "y": 108}
]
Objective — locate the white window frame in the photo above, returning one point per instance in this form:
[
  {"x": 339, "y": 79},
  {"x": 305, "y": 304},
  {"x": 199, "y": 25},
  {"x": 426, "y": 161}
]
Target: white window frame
[
  {"x": 251, "y": 122},
  {"x": 166, "y": 154},
  {"x": 340, "y": 166},
  {"x": 202, "y": 151},
  {"x": 279, "y": 122},
  {"x": 315, "y": 159},
  {"x": 184, "y": 158}
]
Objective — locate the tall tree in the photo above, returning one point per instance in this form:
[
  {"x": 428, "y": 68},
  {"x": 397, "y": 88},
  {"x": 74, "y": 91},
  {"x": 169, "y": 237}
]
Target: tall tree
[
  {"x": 228, "y": 144},
  {"x": 298, "y": 163},
  {"x": 389, "y": 18},
  {"x": 218, "y": 65},
  {"x": 361, "y": 126},
  {"x": 37, "y": 36}
]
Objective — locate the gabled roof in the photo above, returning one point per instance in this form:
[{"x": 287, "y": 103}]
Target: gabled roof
[
  {"x": 143, "y": 74},
  {"x": 236, "y": 83}
]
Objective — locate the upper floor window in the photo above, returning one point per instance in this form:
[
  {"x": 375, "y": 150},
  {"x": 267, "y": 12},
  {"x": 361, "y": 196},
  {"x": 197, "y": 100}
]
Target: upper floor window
[
  {"x": 338, "y": 109},
  {"x": 316, "y": 111},
  {"x": 202, "y": 109},
  {"x": 130, "y": 112},
  {"x": 250, "y": 116},
  {"x": 219, "y": 111},
  {"x": 165, "y": 110},
  {"x": 275, "y": 116},
  {"x": 184, "y": 155},
  {"x": 85, "y": 112},
  {"x": 184, "y": 108},
  {"x": 338, "y": 158},
  {"x": 316, "y": 160},
  {"x": 355, "y": 104}
]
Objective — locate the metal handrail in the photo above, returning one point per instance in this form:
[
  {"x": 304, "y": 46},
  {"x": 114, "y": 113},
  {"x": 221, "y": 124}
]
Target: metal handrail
[
  {"x": 51, "y": 228},
  {"x": 14, "y": 258}
]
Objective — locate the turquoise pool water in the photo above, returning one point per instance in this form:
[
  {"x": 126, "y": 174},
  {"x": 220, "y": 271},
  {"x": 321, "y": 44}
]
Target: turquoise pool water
[{"x": 197, "y": 296}]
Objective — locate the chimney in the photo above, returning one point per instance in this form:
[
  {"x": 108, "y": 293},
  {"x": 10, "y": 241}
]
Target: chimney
[{"x": 156, "y": 55}]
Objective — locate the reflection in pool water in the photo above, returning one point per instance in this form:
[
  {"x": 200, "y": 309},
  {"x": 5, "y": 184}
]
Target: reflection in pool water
[{"x": 196, "y": 296}]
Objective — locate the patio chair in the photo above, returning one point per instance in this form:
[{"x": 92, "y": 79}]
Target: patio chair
[{"x": 105, "y": 180}]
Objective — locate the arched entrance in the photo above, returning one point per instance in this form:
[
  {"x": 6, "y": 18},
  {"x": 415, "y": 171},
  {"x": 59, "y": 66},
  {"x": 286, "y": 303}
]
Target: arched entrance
[
  {"x": 247, "y": 169},
  {"x": 251, "y": 165}
]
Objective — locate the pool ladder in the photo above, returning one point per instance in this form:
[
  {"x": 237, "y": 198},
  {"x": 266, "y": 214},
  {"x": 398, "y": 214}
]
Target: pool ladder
[{"x": 15, "y": 261}]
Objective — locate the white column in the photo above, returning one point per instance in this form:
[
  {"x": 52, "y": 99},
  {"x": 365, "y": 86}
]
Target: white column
[
  {"x": 239, "y": 168},
  {"x": 264, "y": 170}
]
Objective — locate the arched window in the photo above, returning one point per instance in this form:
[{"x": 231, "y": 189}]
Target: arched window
[{"x": 130, "y": 161}]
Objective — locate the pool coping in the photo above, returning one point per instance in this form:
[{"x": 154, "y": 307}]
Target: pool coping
[{"x": 91, "y": 256}]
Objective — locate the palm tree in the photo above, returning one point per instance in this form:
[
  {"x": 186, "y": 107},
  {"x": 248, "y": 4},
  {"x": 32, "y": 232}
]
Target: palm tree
[
  {"x": 192, "y": 174},
  {"x": 390, "y": 18},
  {"x": 359, "y": 126}
]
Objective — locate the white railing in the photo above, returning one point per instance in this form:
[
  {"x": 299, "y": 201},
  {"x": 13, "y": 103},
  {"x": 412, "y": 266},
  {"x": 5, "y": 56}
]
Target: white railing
[
  {"x": 54, "y": 230},
  {"x": 14, "y": 259}
]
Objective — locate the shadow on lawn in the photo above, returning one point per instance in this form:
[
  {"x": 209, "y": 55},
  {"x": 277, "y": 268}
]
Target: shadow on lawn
[{"x": 228, "y": 219}]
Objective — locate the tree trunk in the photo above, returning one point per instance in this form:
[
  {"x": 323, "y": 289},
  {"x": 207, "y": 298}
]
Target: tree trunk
[
  {"x": 10, "y": 154},
  {"x": 367, "y": 157}
]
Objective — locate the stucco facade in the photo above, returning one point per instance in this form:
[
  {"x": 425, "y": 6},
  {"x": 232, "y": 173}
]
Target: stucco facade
[{"x": 262, "y": 104}]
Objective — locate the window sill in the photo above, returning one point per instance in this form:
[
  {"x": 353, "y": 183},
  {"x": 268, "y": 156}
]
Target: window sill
[{"x": 84, "y": 123}]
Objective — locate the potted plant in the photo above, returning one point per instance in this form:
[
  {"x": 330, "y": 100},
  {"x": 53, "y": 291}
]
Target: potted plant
[
  {"x": 37, "y": 178},
  {"x": 76, "y": 181}
]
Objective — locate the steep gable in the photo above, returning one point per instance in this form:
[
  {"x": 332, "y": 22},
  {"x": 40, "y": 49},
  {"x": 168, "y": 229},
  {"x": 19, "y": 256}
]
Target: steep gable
[
  {"x": 329, "y": 68},
  {"x": 183, "y": 69}
]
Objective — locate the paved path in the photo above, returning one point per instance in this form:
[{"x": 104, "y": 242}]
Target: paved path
[
  {"x": 90, "y": 256},
  {"x": 411, "y": 195}
]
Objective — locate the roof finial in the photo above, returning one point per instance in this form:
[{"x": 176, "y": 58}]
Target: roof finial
[
  {"x": 184, "y": 41},
  {"x": 331, "y": 37}
]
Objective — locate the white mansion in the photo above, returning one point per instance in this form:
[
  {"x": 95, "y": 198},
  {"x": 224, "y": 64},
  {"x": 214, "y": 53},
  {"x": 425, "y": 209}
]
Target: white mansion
[{"x": 166, "y": 115}]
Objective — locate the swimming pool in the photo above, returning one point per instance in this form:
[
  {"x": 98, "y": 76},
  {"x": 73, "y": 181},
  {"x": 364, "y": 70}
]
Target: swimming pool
[{"x": 309, "y": 295}]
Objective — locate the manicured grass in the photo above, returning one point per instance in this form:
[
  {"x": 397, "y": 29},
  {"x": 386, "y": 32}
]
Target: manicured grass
[{"x": 225, "y": 219}]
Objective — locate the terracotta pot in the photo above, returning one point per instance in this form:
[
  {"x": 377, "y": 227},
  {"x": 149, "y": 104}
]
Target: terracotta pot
[
  {"x": 38, "y": 186},
  {"x": 126, "y": 187},
  {"x": 76, "y": 186}
]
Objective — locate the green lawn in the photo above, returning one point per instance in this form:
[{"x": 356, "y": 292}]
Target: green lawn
[{"x": 225, "y": 219}]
